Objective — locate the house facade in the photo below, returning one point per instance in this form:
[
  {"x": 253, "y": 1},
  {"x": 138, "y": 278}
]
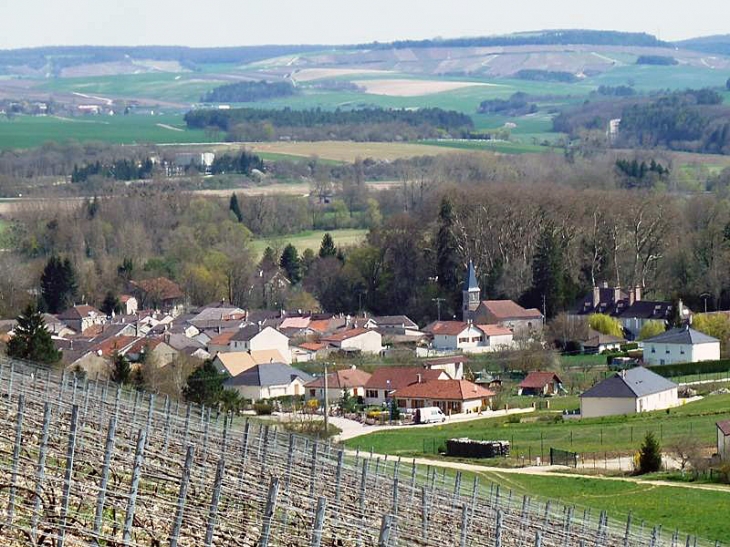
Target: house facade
[
  {"x": 254, "y": 338},
  {"x": 385, "y": 380},
  {"x": 469, "y": 338},
  {"x": 451, "y": 396},
  {"x": 681, "y": 345},
  {"x": 629, "y": 392},
  {"x": 723, "y": 440},
  {"x": 350, "y": 379},
  {"x": 268, "y": 381},
  {"x": 355, "y": 340}
]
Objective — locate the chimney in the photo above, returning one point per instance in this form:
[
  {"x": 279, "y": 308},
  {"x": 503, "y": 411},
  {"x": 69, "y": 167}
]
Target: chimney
[
  {"x": 680, "y": 309},
  {"x": 637, "y": 293},
  {"x": 604, "y": 285},
  {"x": 596, "y": 296},
  {"x": 632, "y": 296},
  {"x": 419, "y": 378},
  {"x": 616, "y": 294}
]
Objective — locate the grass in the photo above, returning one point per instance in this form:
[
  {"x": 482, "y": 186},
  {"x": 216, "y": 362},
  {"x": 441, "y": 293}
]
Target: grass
[
  {"x": 310, "y": 240},
  {"x": 540, "y": 431},
  {"x": 347, "y": 151},
  {"x": 31, "y": 131},
  {"x": 504, "y": 147},
  {"x": 698, "y": 512}
]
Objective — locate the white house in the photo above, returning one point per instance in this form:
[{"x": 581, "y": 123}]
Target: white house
[
  {"x": 451, "y": 396},
  {"x": 629, "y": 392},
  {"x": 359, "y": 340},
  {"x": 129, "y": 304},
  {"x": 723, "y": 439},
  {"x": 80, "y": 318},
  {"x": 496, "y": 337},
  {"x": 269, "y": 380},
  {"x": 253, "y": 338},
  {"x": 681, "y": 345},
  {"x": 469, "y": 338}
]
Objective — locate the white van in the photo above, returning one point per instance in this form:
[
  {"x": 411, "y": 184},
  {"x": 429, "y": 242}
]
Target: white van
[{"x": 429, "y": 415}]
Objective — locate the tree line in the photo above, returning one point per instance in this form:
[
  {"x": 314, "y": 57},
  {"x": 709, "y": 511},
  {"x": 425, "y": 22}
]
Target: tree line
[{"x": 246, "y": 92}]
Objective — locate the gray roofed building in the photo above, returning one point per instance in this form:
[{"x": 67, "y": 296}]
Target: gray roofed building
[
  {"x": 681, "y": 345},
  {"x": 269, "y": 380},
  {"x": 682, "y": 335},
  {"x": 246, "y": 333},
  {"x": 470, "y": 282},
  {"x": 627, "y": 392}
]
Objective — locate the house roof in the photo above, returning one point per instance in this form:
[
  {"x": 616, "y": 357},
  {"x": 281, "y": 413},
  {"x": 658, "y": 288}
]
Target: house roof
[
  {"x": 596, "y": 338},
  {"x": 312, "y": 346},
  {"x": 79, "y": 312},
  {"x": 632, "y": 383},
  {"x": 449, "y": 390},
  {"x": 394, "y": 321},
  {"x": 235, "y": 362},
  {"x": 647, "y": 309},
  {"x": 494, "y": 330},
  {"x": 160, "y": 287},
  {"x": 345, "y": 378},
  {"x": 245, "y": 334},
  {"x": 539, "y": 379},
  {"x": 222, "y": 339},
  {"x": 507, "y": 309},
  {"x": 295, "y": 323},
  {"x": 681, "y": 335},
  {"x": 270, "y": 374},
  {"x": 446, "y": 328},
  {"x": 115, "y": 344},
  {"x": 345, "y": 335},
  {"x": 724, "y": 426},
  {"x": 400, "y": 377},
  {"x": 470, "y": 282},
  {"x": 218, "y": 313}
]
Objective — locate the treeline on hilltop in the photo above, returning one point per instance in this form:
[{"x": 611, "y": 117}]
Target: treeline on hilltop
[
  {"x": 539, "y": 75},
  {"x": 691, "y": 120},
  {"x": 540, "y": 38},
  {"x": 246, "y": 92},
  {"x": 368, "y": 124},
  {"x": 517, "y": 105},
  {"x": 118, "y": 170}
]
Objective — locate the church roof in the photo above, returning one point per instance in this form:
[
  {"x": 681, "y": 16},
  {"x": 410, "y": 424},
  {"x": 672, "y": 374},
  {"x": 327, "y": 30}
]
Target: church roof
[{"x": 471, "y": 278}]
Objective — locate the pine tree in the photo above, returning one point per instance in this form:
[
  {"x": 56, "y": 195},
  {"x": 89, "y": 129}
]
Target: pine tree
[
  {"x": 235, "y": 207},
  {"x": 121, "y": 371},
  {"x": 32, "y": 340},
  {"x": 327, "y": 248},
  {"x": 548, "y": 274},
  {"x": 111, "y": 304},
  {"x": 58, "y": 285},
  {"x": 205, "y": 385},
  {"x": 291, "y": 263},
  {"x": 650, "y": 455},
  {"x": 447, "y": 259}
]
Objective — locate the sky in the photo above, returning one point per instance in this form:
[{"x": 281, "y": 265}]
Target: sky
[{"x": 29, "y": 23}]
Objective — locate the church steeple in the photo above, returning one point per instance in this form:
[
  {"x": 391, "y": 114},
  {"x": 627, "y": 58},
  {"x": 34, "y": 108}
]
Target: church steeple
[{"x": 470, "y": 294}]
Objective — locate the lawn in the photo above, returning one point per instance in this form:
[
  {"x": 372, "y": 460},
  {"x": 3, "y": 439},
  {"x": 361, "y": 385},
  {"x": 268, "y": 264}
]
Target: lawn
[
  {"x": 538, "y": 432},
  {"x": 698, "y": 512},
  {"x": 310, "y": 240},
  {"x": 31, "y": 131}
]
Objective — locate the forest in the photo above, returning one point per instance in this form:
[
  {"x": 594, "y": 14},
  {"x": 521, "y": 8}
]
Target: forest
[
  {"x": 517, "y": 105},
  {"x": 544, "y": 238},
  {"x": 246, "y": 92}
]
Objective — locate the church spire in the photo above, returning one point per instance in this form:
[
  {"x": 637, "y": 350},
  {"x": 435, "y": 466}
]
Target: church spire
[{"x": 470, "y": 293}]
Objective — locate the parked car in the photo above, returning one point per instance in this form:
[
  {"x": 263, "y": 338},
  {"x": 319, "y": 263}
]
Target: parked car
[{"x": 429, "y": 415}]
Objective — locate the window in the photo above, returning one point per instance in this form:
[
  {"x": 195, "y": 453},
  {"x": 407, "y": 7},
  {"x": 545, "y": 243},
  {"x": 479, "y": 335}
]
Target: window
[
  {"x": 312, "y": 392},
  {"x": 463, "y": 340},
  {"x": 371, "y": 394},
  {"x": 653, "y": 349},
  {"x": 681, "y": 350}
]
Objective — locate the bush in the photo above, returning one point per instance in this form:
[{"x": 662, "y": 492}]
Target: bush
[
  {"x": 683, "y": 369},
  {"x": 263, "y": 409},
  {"x": 629, "y": 347},
  {"x": 650, "y": 455}
]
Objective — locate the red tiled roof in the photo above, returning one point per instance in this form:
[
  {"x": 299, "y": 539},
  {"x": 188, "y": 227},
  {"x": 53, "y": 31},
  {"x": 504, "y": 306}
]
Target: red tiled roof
[
  {"x": 448, "y": 328},
  {"x": 146, "y": 344},
  {"x": 444, "y": 390},
  {"x": 537, "y": 379},
  {"x": 344, "y": 335},
  {"x": 348, "y": 377},
  {"x": 110, "y": 345},
  {"x": 320, "y": 325},
  {"x": 312, "y": 346},
  {"x": 507, "y": 309},
  {"x": 77, "y": 312},
  {"x": 222, "y": 339},
  {"x": 161, "y": 288},
  {"x": 724, "y": 426},
  {"x": 400, "y": 377},
  {"x": 494, "y": 330}
]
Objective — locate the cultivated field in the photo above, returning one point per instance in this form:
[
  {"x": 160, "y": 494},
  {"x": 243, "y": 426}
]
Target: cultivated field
[
  {"x": 412, "y": 88},
  {"x": 347, "y": 150},
  {"x": 310, "y": 240}
]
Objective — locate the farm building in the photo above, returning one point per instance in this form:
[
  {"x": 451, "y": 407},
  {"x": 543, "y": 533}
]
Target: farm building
[
  {"x": 451, "y": 396},
  {"x": 629, "y": 392},
  {"x": 723, "y": 439},
  {"x": 681, "y": 345},
  {"x": 540, "y": 383}
]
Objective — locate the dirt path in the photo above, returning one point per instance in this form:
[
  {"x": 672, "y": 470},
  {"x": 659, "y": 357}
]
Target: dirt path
[{"x": 552, "y": 471}]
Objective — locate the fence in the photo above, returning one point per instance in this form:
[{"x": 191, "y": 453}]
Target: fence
[
  {"x": 563, "y": 457},
  {"x": 85, "y": 463}
]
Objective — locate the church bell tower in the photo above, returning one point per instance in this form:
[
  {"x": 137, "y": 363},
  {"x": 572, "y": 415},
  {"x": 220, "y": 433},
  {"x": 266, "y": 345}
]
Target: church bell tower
[{"x": 470, "y": 294}]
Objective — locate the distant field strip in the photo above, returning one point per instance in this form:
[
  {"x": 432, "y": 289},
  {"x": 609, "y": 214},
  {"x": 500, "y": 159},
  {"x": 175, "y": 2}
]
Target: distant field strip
[
  {"x": 414, "y": 88},
  {"x": 349, "y": 151}
]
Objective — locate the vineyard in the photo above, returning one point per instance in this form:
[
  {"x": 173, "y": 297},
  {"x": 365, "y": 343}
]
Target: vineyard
[{"x": 86, "y": 463}]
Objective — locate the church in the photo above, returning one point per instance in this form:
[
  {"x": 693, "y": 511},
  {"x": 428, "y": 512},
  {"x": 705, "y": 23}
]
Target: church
[{"x": 505, "y": 313}]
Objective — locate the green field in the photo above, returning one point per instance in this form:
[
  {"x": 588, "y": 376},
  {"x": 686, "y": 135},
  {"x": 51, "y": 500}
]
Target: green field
[
  {"x": 697, "y": 512},
  {"x": 310, "y": 240},
  {"x": 612, "y": 435},
  {"x": 30, "y": 131}
]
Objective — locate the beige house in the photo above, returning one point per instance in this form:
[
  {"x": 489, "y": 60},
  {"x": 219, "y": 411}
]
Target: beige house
[
  {"x": 681, "y": 345},
  {"x": 385, "y": 380},
  {"x": 723, "y": 439},
  {"x": 235, "y": 362},
  {"x": 451, "y": 396},
  {"x": 350, "y": 379},
  {"x": 254, "y": 338},
  {"x": 355, "y": 340},
  {"x": 629, "y": 392},
  {"x": 268, "y": 381}
]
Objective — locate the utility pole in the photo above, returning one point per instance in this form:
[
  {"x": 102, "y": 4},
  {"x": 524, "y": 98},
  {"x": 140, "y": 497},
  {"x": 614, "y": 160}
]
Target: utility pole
[
  {"x": 438, "y": 306},
  {"x": 326, "y": 402}
]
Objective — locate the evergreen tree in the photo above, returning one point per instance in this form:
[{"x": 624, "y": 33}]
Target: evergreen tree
[
  {"x": 650, "y": 455},
  {"x": 121, "y": 370},
  {"x": 32, "y": 340},
  {"x": 268, "y": 261},
  {"x": 327, "y": 248},
  {"x": 308, "y": 258},
  {"x": 58, "y": 285},
  {"x": 291, "y": 263},
  {"x": 111, "y": 304},
  {"x": 447, "y": 258},
  {"x": 126, "y": 269},
  {"x": 205, "y": 385},
  {"x": 235, "y": 207},
  {"x": 548, "y": 274}
]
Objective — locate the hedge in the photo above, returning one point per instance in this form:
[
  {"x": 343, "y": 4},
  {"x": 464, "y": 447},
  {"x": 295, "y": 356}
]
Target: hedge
[{"x": 682, "y": 369}]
